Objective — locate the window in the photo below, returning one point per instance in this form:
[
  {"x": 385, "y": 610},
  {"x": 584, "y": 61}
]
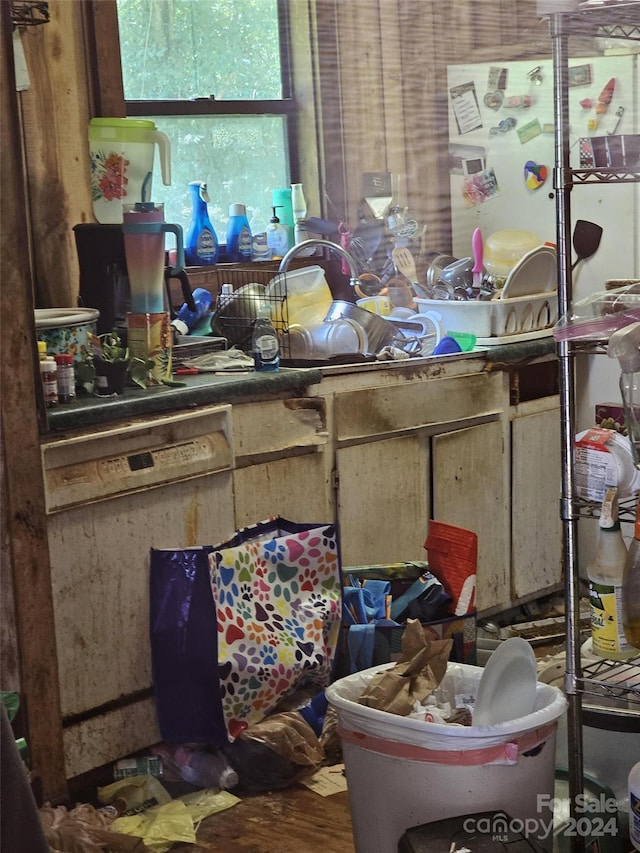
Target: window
[{"x": 214, "y": 76}]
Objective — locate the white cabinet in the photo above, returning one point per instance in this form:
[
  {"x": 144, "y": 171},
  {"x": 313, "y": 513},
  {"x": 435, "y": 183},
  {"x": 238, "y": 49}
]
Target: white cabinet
[
  {"x": 536, "y": 529},
  {"x": 282, "y": 461},
  {"x": 471, "y": 490},
  {"x": 445, "y": 443},
  {"x": 383, "y": 499}
]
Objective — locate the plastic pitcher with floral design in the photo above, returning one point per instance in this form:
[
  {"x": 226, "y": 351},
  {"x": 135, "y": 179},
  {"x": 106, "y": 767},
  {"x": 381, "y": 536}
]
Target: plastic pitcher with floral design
[{"x": 121, "y": 152}]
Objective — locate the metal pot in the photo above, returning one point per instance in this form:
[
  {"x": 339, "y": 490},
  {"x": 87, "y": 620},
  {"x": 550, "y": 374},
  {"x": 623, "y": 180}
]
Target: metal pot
[
  {"x": 235, "y": 315},
  {"x": 380, "y": 332}
]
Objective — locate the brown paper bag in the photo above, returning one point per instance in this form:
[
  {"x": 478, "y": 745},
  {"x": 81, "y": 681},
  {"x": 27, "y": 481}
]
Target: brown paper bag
[{"x": 421, "y": 668}]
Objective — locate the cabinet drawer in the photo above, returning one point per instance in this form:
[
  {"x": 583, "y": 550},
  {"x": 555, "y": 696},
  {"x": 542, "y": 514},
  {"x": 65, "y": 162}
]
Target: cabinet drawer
[
  {"x": 270, "y": 427},
  {"x": 383, "y": 410}
]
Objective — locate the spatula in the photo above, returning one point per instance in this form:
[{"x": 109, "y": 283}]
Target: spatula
[
  {"x": 586, "y": 240},
  {"x": 405, "y": 263}
]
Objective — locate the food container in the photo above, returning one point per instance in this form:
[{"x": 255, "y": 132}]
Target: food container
[
  {"x": 495, "y": 317},
  {"x": 503, "y": 250},
  {"x": 307, "y": 296},
  {"x": 66, "y": 330},
  {"x": 603, "y": 459},
  {"x": 380, "y": 331},
  {"x": 324, "y": 340}
]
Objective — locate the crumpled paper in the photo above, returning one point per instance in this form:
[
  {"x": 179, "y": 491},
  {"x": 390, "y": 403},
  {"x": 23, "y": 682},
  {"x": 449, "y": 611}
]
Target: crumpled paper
[
  {"x": 290, "y": 736},
  {"x": 221, "y": 360},
  {"x": 84, "y": 829},
  {"x": 421, "y": 668}
]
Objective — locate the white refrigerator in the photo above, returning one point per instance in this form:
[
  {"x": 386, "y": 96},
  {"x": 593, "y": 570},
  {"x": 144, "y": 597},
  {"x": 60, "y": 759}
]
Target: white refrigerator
[{"x": 501, "y": 162}]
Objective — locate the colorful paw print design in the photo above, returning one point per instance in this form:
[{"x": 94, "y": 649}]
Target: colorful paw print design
[{"x": 534, "y": 175}]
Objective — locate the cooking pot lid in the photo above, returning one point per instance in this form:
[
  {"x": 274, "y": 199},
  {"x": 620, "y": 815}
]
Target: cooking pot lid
[{"x": 49, "y": 318}]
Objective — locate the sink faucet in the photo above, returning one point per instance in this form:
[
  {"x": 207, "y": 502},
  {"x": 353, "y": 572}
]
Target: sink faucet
[{"x": 334, "y": 247}]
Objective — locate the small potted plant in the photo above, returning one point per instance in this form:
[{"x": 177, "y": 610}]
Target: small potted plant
[{"x": 105, "y": 368}]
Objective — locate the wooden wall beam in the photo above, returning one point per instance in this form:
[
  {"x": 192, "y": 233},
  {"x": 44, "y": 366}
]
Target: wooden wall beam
[{"x": 23, "y": 517}]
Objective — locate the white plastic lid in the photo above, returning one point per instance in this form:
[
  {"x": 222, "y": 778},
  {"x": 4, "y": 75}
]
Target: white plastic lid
[
  {"x": 237, "y": 210},
  {"x": 180, "y": 326}
]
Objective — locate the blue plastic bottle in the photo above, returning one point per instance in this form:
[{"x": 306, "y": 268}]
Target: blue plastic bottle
[
  {"x": 265, "y": 345},
  {"x": 238, "y": 235},
  {"x": 203, "y": 300},
  {"x": 201, "y": 243}
]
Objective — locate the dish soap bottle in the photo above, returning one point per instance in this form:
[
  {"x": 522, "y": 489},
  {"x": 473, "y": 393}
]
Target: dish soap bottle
[
  {"x": 238, "y": 235},
  {"x": 260, "y": 250},
  {"x": 631, "y": 589},
  {"x": 605, "y": 575},
  {"x": 277, "y": 236},
  {"x": 265, "y": 345},
  {"x": 201, "y": 243}
]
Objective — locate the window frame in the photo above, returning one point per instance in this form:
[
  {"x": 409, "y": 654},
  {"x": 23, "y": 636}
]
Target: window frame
[
  {"x": 304, "y": 105},
  {"x": 106, "y": 37}
]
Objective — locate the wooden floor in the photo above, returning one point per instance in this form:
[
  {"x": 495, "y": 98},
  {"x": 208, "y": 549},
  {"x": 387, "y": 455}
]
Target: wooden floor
[{"x": 295, "y": 820}]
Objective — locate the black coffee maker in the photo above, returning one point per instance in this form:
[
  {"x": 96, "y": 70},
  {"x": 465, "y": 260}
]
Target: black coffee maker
[{"x": 104, "y": 283}]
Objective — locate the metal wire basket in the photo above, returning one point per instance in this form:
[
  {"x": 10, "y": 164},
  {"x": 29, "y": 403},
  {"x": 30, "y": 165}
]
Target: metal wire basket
[{"x": 235, "y": 313}]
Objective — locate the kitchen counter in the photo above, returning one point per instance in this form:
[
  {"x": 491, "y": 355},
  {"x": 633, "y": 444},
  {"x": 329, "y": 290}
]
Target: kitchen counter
[{"x": 209, "y": 388}]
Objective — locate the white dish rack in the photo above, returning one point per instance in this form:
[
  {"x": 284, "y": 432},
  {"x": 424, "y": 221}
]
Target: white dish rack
[{"x": 495, "y": 317}]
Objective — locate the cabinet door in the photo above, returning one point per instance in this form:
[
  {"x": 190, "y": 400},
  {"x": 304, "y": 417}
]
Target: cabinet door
[
  {"x": 471, "y": 490},
  {"x": 297, "y": 488},
  {"x": 282, "y": 464},
  {"x": 535, "y": 509},
  {"x": 383, "y": 500}
]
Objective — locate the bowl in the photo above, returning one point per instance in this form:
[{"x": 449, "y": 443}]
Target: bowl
[
  {"x": 66, "y": 330},
  {"x": 380, "y": 332},
  {"x": 235, "y": 315}
]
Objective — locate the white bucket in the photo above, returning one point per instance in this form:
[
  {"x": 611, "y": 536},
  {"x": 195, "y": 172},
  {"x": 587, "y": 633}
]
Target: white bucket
[{"x": 403, "y": 772}]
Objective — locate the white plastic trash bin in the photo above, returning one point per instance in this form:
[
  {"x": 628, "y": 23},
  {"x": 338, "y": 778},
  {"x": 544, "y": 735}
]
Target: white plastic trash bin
[{"x": 403, "y": 772}]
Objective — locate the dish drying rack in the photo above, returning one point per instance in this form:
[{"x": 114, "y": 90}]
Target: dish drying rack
[{"x": 236, "y": 317}]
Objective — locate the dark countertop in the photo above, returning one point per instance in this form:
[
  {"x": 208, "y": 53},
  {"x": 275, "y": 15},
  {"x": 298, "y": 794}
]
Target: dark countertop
[
  {"x": 210, "y": 389},
  {"x": 201, "y": 390}
]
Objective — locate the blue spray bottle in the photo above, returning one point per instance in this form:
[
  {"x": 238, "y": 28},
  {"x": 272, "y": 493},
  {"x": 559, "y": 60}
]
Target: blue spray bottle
[{"x": 201, "y": 242}]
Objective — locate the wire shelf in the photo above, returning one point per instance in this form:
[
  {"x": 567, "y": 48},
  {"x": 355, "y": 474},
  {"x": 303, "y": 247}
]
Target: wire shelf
[{"x": 612, "y": 684}]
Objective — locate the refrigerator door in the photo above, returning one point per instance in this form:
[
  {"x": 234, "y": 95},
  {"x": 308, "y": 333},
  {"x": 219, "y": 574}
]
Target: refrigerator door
[{"x": 501, "y": 155}]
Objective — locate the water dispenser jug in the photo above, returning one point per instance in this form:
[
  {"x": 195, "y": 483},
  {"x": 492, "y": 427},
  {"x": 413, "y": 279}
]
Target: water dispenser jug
[{"x": 121, "y": 152}]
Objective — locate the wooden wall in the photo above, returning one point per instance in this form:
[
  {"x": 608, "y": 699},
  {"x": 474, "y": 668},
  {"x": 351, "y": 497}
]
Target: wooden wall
[
  {"x": 382, "y": 105},
  {"x": 384, "y": 83}
]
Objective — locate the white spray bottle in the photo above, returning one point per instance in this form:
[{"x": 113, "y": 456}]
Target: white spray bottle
[{"x": 624, "y": 344}]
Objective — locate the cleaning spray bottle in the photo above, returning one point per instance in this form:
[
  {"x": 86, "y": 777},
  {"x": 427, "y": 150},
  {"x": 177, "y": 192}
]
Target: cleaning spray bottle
[
  {"x": 201, "y": 243},
  {"x": 624, "y": 344},
  {"x": 605, "y": 574}
]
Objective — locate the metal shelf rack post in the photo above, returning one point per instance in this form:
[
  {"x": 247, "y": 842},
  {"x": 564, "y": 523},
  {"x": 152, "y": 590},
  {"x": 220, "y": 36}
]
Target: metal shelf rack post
[{"x": 616, "y": 20}]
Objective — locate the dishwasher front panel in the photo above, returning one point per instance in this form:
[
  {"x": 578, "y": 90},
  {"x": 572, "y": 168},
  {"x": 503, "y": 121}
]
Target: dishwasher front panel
[{"x": 99, "y": 553}]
